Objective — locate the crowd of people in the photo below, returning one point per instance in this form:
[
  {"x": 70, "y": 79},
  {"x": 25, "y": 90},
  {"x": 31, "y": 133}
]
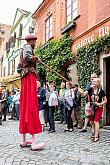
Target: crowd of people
[
  {"x": 9, "y": 103},
  {"x": 68, "y": 100}
]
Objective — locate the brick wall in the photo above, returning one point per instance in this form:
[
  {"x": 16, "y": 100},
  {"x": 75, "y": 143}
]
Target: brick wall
[{"x": 90, "y": 12}]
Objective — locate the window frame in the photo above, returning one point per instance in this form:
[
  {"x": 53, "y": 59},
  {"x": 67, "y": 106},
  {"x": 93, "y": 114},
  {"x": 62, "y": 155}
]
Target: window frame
[
  {"x": 13, "y": 66},
  {"x": 50, "y": 31},
  {"x": 72, "y": 11},
  {"x": 4, "y": 71},
  {"x": 20, "y": 30},
  {"x": 9, "y": 68}
]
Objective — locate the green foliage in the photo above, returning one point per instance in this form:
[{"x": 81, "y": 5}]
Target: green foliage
[
  {"x": 88, "y": 59},
  {"x": 55, "y": 54},
  {"x": 88, "y": 62}
]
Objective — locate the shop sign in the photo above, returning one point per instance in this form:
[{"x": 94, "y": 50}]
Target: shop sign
[{"x": 102, "y": 31}]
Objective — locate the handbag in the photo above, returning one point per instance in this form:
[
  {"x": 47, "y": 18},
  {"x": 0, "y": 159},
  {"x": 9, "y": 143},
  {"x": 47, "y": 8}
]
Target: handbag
[{"x": 89, "y": 112}]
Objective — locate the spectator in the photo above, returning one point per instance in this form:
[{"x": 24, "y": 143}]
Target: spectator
[
  {"x": 10, "y": 100},
  {"x": 97, "y": 100},
  {"x": 77, "y": 107},
  {"x": 63, "y": 117},
  {"x": 47, "y": 103},
  {"x": 69, "y": 95},
  {"x": 4, "y": 102},
  {"x": 87, "y": 87},
  {"x": 13, "y": 112},
  {"x": 41, "y": 92},
  {"x": 53, "y": 103},
  {"x": 16, "y": 103}
]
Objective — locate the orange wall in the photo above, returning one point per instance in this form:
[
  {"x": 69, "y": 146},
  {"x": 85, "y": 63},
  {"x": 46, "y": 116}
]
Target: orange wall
[{"x": 90, "y": 13}]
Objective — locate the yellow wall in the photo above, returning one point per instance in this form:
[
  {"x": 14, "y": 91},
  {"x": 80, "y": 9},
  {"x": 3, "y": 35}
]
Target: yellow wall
[{"x": 16, "y": 84}]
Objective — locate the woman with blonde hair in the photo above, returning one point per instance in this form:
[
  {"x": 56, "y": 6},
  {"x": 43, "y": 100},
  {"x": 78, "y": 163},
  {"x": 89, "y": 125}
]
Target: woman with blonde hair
[{"x": 97, "y": 100}]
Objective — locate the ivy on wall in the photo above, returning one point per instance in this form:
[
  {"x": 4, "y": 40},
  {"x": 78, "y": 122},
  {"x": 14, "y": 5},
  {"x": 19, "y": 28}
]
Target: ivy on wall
[
  {"x": 55, "y": 55},
  {"x": 58, "y": 52},
  {"x": 88, "y": 59},
  {"x": 88, "y": 62}
]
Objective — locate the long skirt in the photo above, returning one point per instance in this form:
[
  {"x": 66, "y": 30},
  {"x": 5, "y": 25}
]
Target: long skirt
[{"x": 29, "y": 114}]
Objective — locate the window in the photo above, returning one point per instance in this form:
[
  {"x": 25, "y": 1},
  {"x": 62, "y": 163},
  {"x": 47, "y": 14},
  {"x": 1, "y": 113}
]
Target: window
[
  {"x": 13, "y": 66},
  {"x": 8, "y": 46},
  {"x": 71, "y": 10},
  {"x": 31, "y": 30},
  {"x": 20, "y": 30},
  {"x": 48, "y": 28},
  {"x": 8, "y": 68},
  {"x": 4, "y": 71}
]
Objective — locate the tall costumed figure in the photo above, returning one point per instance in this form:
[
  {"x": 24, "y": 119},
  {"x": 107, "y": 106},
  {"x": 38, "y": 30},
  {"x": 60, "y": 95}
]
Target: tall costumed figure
[{"x": 29, "y": 114}]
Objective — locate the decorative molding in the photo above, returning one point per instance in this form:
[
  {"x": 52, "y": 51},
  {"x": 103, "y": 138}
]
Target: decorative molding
[{"x": 92, "y": 28}]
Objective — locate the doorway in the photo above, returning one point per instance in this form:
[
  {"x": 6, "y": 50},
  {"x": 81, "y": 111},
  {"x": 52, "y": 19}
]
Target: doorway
[{"x": 108, "y": 91}]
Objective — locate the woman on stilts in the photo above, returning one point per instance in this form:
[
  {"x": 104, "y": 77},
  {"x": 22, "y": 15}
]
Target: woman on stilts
[{"x": 29, "y": 115}]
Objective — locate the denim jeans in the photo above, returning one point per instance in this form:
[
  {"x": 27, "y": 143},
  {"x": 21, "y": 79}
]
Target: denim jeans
[{"x": 63, "y": 116}]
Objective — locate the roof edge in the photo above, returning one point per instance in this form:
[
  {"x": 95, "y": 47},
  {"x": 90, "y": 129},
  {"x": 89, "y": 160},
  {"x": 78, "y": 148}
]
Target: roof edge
[{"x": 38, "y": 8}]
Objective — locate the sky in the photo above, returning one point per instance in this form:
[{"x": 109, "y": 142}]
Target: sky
[{"x": 8, "y": 8}]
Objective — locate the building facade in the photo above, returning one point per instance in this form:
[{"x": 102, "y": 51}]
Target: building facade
[
  {"x": 22, "y": 25},
  {"x": 84, "y": 21},
  {"x": 4, "y": 37}
]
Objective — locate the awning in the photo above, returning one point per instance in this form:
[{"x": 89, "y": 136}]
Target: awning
[{"x": 9, "y": 78}]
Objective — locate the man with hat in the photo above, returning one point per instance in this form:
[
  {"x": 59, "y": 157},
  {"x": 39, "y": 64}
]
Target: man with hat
[{"x": 29, "y": 116}]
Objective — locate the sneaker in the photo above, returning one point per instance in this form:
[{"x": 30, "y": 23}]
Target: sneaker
[
  {"x": 4, "y": 119},
  {"x": 52, "y": 131},
  {"x": 75, "y": 125},
  {"x": 65, "y": 130},
  {"x": 49, "y": 129},
  {"x": 11, "y": 118},
  {"x": 71, "y": 130},
  {"x": 60, "y": 122},
  {"x": 83, "y": 130},
  {"x": 79, "y": 127}
]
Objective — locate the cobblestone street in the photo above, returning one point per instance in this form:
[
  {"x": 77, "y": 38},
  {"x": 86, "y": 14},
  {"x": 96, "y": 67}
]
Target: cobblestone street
[{"x": 61, "y": 148}]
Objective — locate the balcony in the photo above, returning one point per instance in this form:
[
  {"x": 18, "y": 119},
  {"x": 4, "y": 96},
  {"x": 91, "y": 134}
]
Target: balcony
[{"x": 68, "y": 27}]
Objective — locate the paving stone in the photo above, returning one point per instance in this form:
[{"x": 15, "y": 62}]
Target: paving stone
[{"x": 61, "y": 148}]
